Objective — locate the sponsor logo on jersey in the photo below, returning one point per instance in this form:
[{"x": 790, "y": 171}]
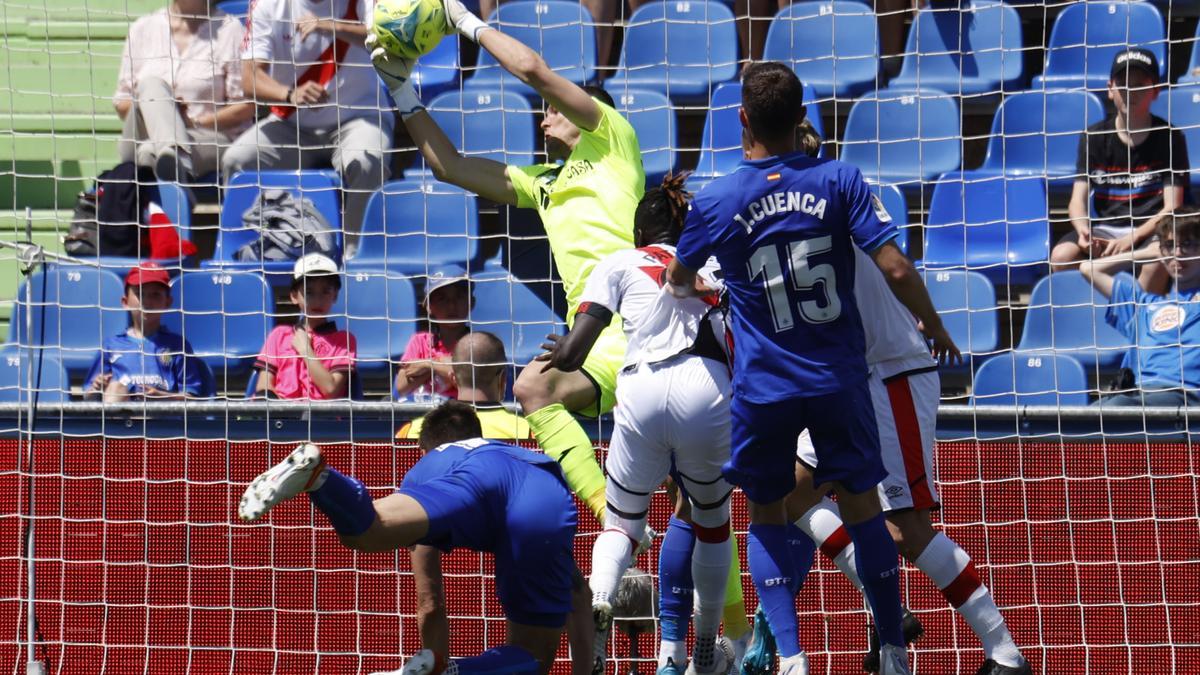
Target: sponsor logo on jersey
[
  {"x": 880, "y": 212},
  {"x": 1167, "y": 317},
  {"x": 164, "y": 357}
]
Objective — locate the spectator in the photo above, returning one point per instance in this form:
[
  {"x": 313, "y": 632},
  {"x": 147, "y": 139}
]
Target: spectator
[
  {"x": 179, "y": 90},
  {"x": 311, "y": 358},
  {"x": 315, "y": 74},
  {"x": 1164, "y": 327},
  {"x": 425, "y": 366},
  {"x": 1136, "y": 168},
  {"x": 481, "y": 373},
  {"x": 147, "y": 360}
]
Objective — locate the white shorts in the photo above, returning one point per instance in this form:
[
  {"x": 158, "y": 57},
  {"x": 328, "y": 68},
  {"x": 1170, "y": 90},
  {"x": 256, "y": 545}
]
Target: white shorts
[
  {"x": 906, "y": 410},
  {"x": 675, "y": 411}
]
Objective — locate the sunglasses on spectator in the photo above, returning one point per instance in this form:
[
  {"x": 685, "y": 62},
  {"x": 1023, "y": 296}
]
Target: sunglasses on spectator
[{"x": 1185, "y": 246}]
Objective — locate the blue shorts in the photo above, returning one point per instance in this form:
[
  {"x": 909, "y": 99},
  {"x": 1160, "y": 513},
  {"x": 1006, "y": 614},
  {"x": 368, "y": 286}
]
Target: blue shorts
[
  {"x": 535, "y": 561},
  {"x": 844, "y": 434}
]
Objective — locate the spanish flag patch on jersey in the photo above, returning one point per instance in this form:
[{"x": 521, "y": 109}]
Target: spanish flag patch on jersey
[{"x": 773, "y": 176}]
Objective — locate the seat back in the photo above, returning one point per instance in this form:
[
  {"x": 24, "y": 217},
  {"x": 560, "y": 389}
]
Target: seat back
[
  {"x": 691, "y": 42},
  {"x": 50, "y": 381},
  {"x": 418, "y": 225},
  {"x": 832, "y": 46},
  {"x": 487, "y": 123},
  {"x": 653, "y": 121},
  {"x": 1066, "y": 315},
  {"x": 562, "y": 32},
  {"x": 320, "y": 186},
  {"x": 1037, "y": 132},
  {"x": 721, "y": 140},
  {"x": 438, "y": 70},
  {"x": 970, "y": 50},
  {"x": 515, "y": 314},
  {"x": 74, "y": 308},
  {"x": 380, "y": 310},
  {"x": 903, "y": 136},
  {"x": 966, "y": 301},
  {"x": 1088, "y": 35},
  {"x": 986, "y": 221},
  {"x": 224, "y": 314},
  {"x": 1180, "y": 105},
  {"x": 1016, "y": 378}
]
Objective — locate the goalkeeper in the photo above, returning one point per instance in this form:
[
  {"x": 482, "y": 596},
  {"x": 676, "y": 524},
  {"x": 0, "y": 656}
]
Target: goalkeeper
[{"x": 586, "y": 205}]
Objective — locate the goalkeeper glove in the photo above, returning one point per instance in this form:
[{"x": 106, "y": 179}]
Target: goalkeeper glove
[
  {"x": 396, "y": 73},
  {"x": 462, "y": 20}
]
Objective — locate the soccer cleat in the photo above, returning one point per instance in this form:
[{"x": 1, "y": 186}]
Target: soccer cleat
[
  {"x": 669, "y": 669},
  {"x": 760, "y": 655},
  {"x": 739, "y": 650},
  {"x": 281, "y": 482},
  {"x": 794, "y": 665},
  {"x": 990, "y": 667},
  {"x": 722, "y": 663},
  {"x": 910, "y": 625},
  {"x": 893, "y": 660},
  {"x": 646, "y": 542},
  {"x": 602, "y": 616}
]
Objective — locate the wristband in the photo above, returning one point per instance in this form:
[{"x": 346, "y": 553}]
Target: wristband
[
  {"x": 471, "y": 26},
  {"x": 288, "y": 97}
]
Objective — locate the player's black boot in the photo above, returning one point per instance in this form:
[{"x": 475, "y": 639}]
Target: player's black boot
[
  {"x": 912, "y": 632},
  {"x": 990, "y": 667}
]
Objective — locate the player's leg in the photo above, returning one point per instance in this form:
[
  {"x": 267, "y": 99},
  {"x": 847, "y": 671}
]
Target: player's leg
[{"x": 675, "y": 587}]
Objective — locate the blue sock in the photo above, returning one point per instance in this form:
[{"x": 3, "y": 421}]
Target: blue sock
[
  {"x": 345, "y": 501},
  {"x": 502, "y": 660},
  {"x": 875, "y": 557},
  {"x": 775, "y": 579},
  {"x": 675, "y": 580},
  {"x": 803, "y": 551}
]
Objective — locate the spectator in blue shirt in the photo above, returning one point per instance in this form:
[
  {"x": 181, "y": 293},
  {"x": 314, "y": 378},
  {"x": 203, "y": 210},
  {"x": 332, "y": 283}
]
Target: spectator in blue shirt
[
  {"x": 1165, "y": 329},
  {"x": 145, "y": 359}
]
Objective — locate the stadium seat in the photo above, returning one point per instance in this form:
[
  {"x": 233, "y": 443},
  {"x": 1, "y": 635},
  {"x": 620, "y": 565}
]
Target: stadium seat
[
  {"x": 176, "y": 203},
  {"x": 50, "y": 378},
  {"x": 74, "y": 309},
  {"x": 897, "y": 208},
  {"x": 971, "y": 51},
  {"x": 484, "y": 123},
  {"x": 1087, "y": 35},
  {"x": 224, "y": 314},
  {"x": 1180, "y": 105},
  {"x": 321, "y": 186},
  {"x": 1066, "y": 316},
  {"x": 562, "y": 32},
  {"x": 903, "y": 136},
  {"x": 995, "y": 225},
  {"x": 966, "y": 301},
  {"x": 412, "y": 226},
  {"x": 653, "y": 120},
  {"x": 515, "y": 314},
  {"x": 1019, "y": 378},
  {"x": 437, "y": 71},
  {"x": 682, "y": 49},
  {"x": 832, "y": 46},
  {"x": 237, "y": 8},
  {"x": 1036, "y": 133},
  {"x": 381, "y": 312},
  {"x": 721, "y": 140}
]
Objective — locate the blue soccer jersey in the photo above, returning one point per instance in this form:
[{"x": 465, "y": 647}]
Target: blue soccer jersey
[
  {"x": 163, "y": 361},
  {"x": 783, "y": 229}
]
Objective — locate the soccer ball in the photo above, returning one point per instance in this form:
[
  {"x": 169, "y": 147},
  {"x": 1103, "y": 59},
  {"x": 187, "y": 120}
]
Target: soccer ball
[{"x": 409, "y": 28}]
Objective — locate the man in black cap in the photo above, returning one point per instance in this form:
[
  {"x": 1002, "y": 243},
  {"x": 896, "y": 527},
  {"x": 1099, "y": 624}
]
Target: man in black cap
[{"x": 1135, "y": 167}]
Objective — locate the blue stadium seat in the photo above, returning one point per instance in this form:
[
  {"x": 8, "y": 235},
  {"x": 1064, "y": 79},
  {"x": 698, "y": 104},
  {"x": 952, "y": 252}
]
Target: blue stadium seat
[
  {"x": 176, "y": 203},
  {"x": 653, "y": 120},
  {"x": 682, "y": 49},
  {"x": 1019, "y": 378},
  {"x": 832, "y": 46},
  {"x": 995, "y": 225},
  {"x": 971, "y": 51},
  {"x": 902, "y": 136},
  {"x": 381, "y": 312},
  {"x": 320, "y": 186},
  {"x": 224, "y": 314},
  {"x": 411, "y": 226},
  {"x": 50, "y": 378},
  {"x": 515, "y": 314},
  {"x": 437, "y": 71},
  {"x": 1066, "y": 316},
  {"x": 484, "y": 123},
  {"x": 80, "y": 306},
  {"x": 966, "y": 302},
  {"x": 562, "y": 32},
  {"x": 896, "y": 207},
  {"x": 1036, "y": 133},
  {"x": 1180, "y": 105},
  {"x": 721, "y": 141},
  {"x": 236, "y": 8},
  {"x": 1087, "y": 35}
]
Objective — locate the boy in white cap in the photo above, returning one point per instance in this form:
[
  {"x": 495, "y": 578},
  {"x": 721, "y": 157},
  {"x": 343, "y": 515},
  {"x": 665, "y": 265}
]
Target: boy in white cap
[{"x": 311, "y": 358}]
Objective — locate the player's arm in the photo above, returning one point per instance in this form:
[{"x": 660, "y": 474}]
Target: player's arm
[
  {"x": 567, "y": 353},
  {"x": 1101, "y": 273},
  {"x": 910, "y": 290},
  {"x": 691, "y": 253},
  {"x": 432, "y": 623}
]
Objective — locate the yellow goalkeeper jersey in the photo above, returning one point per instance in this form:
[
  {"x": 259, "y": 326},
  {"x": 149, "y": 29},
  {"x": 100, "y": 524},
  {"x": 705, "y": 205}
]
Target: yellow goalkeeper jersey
[
  {"x": 587, "y": 203},
  {"x": 497, "y": 422}
]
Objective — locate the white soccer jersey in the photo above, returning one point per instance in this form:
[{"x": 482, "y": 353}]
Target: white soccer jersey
[
  {"x": 894, "y": 345},
  {"x": 272, "y": 36},
  {"x": 657, "y": 324}
]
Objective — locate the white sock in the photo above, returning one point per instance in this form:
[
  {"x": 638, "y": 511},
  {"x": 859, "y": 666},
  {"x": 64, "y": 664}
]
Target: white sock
[
  {"x": 710, "y": 570},
  {"x": 823, "y": 524},
  {"x": 676, "y": 651},
  {"x": 611, "y": 556},
  {"x": 951, "y": 570}
]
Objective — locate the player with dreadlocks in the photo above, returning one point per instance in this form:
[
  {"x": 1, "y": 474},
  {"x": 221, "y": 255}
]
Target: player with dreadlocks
[{"x": 673, "y": 418}]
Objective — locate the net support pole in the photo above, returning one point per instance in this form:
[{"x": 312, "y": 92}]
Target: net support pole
[{"x": 32, "y": 665}]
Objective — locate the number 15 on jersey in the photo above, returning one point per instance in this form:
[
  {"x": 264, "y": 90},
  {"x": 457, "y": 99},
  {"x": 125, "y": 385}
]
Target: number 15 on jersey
[{"x": 768, "y": 261}]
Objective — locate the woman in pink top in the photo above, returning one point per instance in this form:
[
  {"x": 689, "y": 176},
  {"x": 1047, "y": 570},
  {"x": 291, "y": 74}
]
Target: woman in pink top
[
  {"x": 310, "y": 359},
  {"x": 425, "y": 367},
  {"x": 180, "y": 90}
]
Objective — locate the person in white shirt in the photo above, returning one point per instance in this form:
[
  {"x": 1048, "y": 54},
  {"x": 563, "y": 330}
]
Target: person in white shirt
[
  {"x": 179, "y": 90},
  {"x": 305, "y": 59}
]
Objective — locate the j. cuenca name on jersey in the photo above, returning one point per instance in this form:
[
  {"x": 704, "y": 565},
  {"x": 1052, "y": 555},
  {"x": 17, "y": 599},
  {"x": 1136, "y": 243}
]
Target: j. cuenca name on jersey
[{"x": 778, "y": 203}]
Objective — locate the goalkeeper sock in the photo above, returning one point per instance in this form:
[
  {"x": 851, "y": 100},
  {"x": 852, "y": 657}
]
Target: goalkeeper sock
[
  {"x": 567, "y": 443},
  {"x": 823, "y": 524},
  {"x": 675, "y": 591},
  {"x": 875, "y": 557},
  {"x": 734, "y": 614},
  {"x": 952, "y": 571},
  {"x": 345, "y": 501},
  {"x": 611, "y": 555},
  {"x": 774, "y": 576},
  {"x": 710, "y": 571},
  {"x": 502, "y": 660}
]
